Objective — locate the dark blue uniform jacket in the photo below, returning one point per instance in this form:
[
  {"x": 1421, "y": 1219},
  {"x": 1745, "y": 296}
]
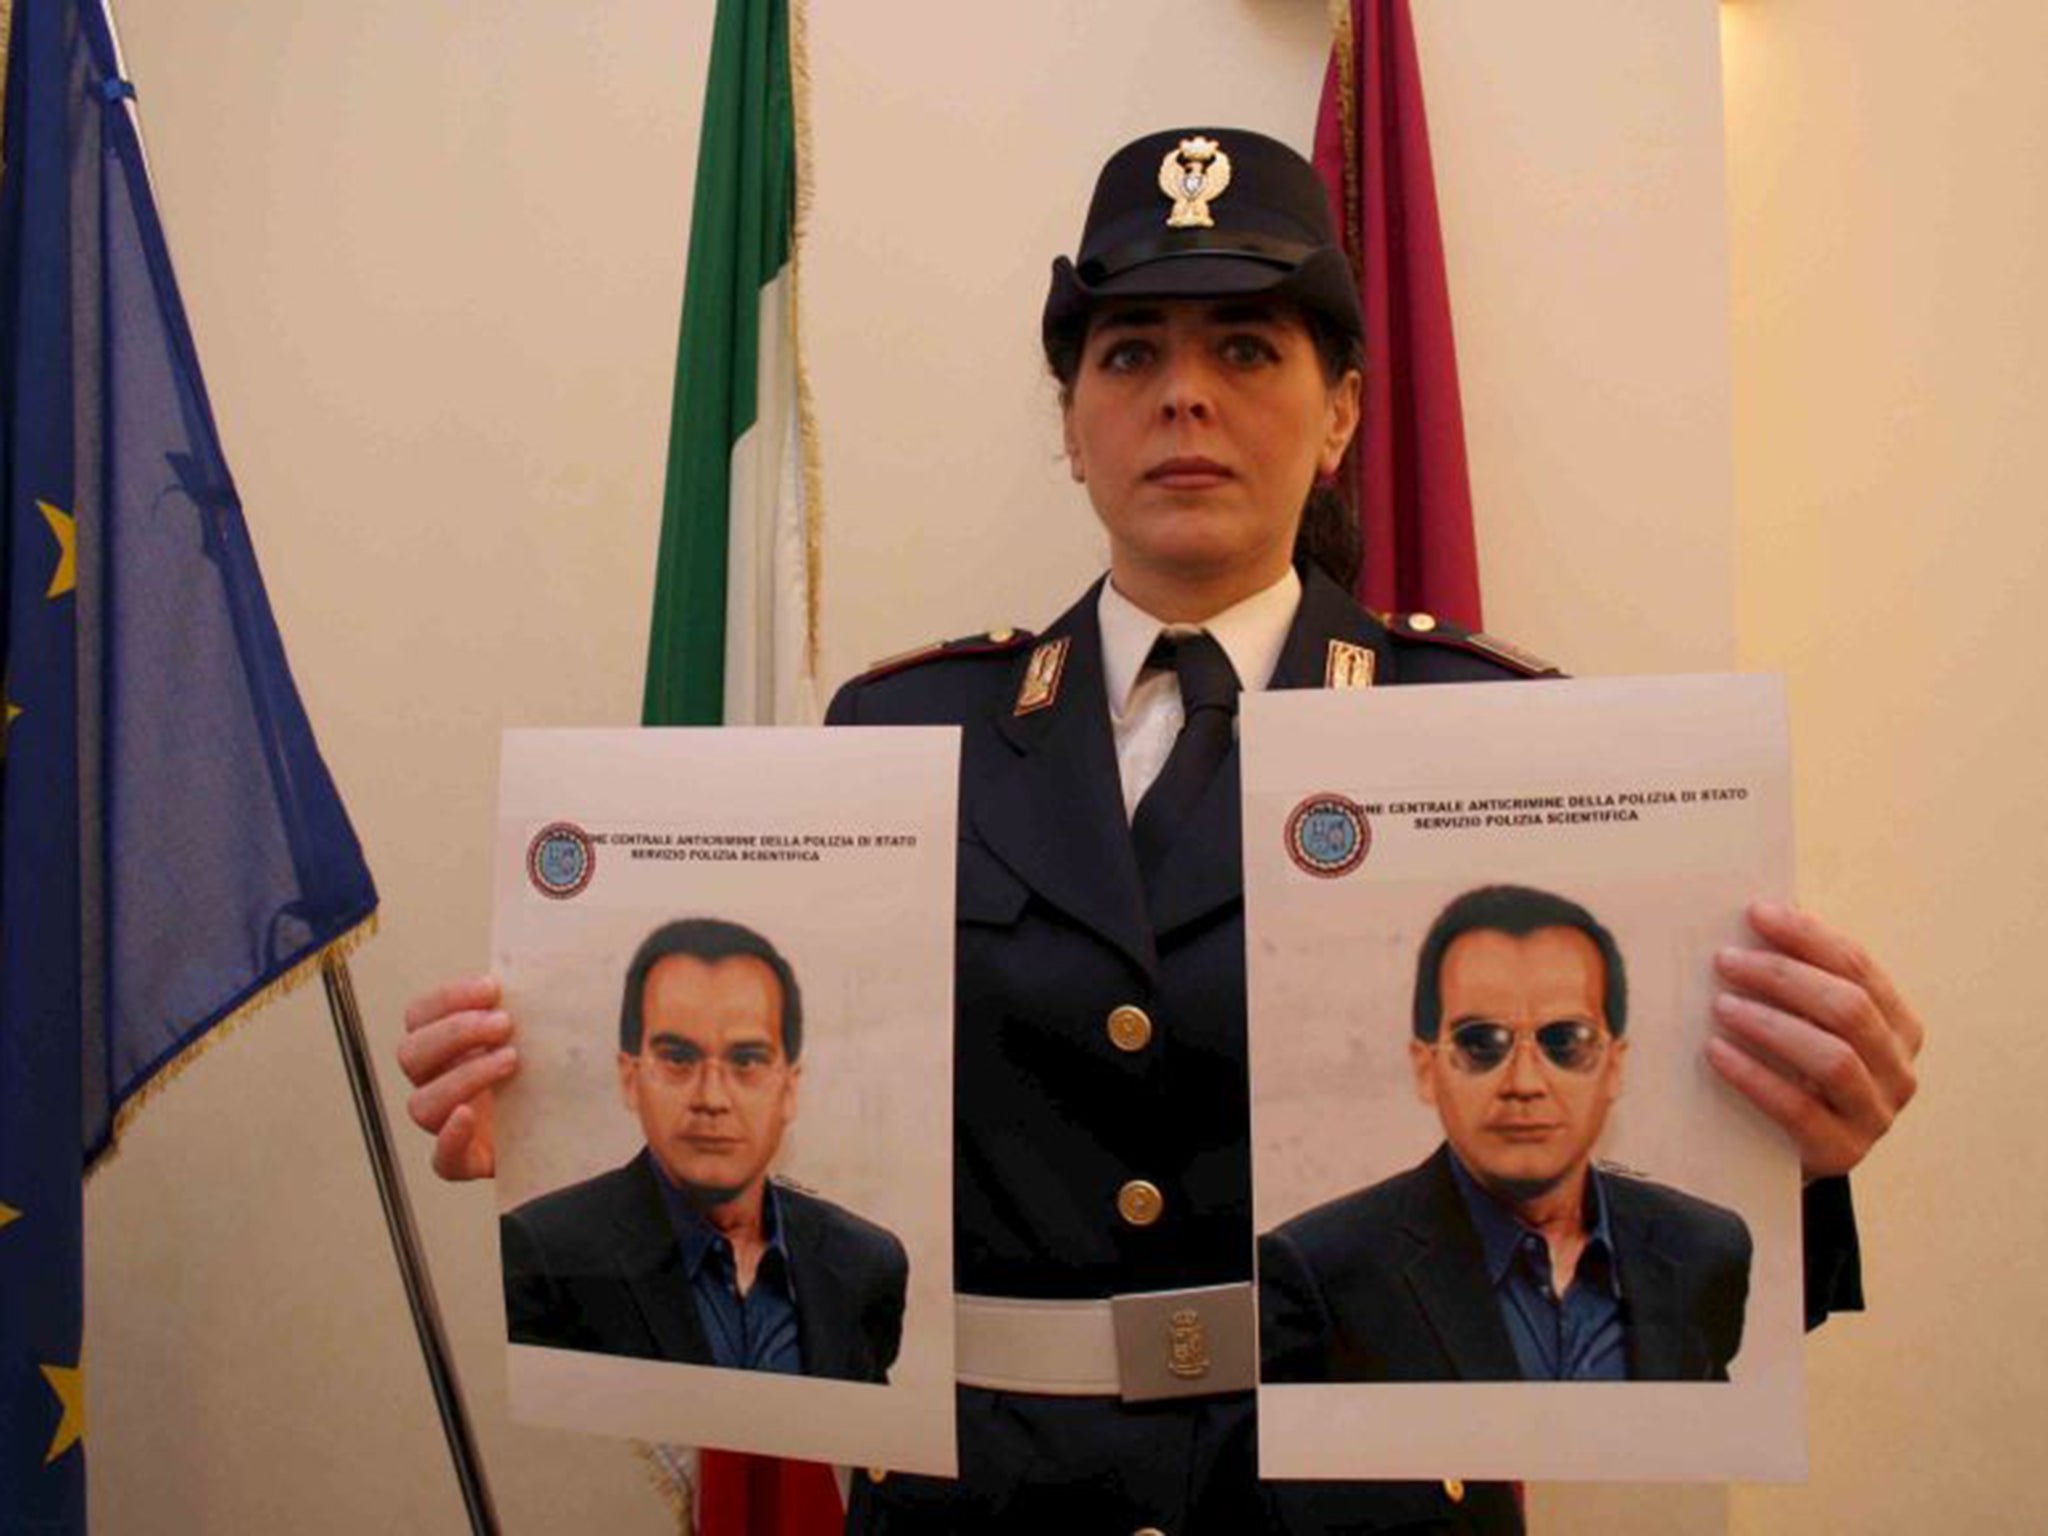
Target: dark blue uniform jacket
[{"x": 1052, "y": 1119}]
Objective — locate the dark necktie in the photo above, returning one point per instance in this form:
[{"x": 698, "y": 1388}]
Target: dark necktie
[{"x": 1208, "y": 696}]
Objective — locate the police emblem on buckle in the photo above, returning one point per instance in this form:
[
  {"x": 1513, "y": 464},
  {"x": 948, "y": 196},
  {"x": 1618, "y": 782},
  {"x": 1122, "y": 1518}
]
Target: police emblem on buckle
[
  {"x": 1194, "y": 173},
  {"x": 1187, "y": 1350},
  {"x": 1211, "y": 1338}
]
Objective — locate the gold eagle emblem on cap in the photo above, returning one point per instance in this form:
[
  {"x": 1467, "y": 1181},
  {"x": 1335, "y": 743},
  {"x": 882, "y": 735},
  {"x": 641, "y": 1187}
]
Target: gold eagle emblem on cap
[{"x": 1194, "y": 173}]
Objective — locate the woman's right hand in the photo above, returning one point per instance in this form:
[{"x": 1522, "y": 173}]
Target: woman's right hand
[{"x": 457, "y": 1047}]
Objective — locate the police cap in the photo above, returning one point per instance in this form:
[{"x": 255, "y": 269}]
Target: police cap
[{"x": 1204, "y": 213}]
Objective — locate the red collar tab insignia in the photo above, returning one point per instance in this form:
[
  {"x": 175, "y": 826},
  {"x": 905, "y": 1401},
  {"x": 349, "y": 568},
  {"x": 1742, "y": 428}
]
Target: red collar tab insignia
[
  {"x": 1348, "y": 666},
  {"x": 1041, "y": 685},
  {"x": 1194, "y": 173}
]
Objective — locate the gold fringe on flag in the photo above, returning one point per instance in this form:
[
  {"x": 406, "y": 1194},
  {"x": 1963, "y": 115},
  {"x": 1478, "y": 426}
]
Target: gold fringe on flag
[
  {"x": 1343, "y": 49},
  {"x": 6, "y": 37},
  {"x": 278, "y": 986},
  {"x": 806, "y": 413},
  {"x": 664, "y": 1467}
]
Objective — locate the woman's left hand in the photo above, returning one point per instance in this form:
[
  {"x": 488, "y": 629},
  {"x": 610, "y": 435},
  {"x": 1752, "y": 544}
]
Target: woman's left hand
[{"x": 1816, "y": 1035}]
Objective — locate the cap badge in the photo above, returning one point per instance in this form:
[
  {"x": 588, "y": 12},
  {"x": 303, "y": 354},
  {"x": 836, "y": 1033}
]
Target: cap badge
[{"x": 1194, "y": 173}]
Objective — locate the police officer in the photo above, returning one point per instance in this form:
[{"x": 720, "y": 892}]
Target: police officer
[{"x": 1207, "y": 345}]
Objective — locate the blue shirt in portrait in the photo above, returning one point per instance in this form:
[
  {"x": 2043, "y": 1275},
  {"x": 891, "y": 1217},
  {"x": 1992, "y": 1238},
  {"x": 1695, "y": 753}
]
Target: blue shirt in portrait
[
  {"x": 1574, "y": 1337},
  {"x": 756, "y": 1331}
]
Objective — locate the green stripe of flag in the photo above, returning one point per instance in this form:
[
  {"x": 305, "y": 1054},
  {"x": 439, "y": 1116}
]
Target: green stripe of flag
[{"x": 741, "y": 230}]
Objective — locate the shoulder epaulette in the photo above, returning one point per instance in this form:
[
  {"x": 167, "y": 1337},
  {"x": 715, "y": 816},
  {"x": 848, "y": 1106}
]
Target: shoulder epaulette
[
  {"x": 1431, "y": 630},
  {"x": 993, "y": 642}
]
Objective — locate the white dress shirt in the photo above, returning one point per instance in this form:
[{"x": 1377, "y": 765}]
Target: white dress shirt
[{"x": 1144, "y": 702}]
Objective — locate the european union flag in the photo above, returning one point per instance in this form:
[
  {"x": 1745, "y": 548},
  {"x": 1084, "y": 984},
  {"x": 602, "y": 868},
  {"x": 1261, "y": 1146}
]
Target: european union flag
[{"x": 171, "y": 846}]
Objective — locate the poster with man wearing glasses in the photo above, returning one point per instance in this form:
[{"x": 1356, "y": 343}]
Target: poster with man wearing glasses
[
  {"x": 723, "y": 1173},
  {"x": 1511, "y": 1224}
]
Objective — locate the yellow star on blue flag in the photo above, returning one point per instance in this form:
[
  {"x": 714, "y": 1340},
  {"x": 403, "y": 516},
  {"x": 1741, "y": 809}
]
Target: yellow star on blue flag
[
  {"x": 65, "y": 527},
  {"x": 68, "y": 1382}
]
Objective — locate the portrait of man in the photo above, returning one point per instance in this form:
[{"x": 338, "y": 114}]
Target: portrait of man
[
  {"x": 691, "y": 1252},
  {"x": 1510, "y": 1254}
]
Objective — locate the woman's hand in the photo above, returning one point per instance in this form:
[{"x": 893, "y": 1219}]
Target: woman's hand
[
  {"x": 457, "y": 1048},
  {"x": 1816, "y": 1035}
]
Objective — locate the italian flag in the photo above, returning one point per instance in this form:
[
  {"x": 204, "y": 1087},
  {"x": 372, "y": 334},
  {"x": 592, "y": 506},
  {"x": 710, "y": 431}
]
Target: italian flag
[
  {"x": 733, "y": 639},
  {"x": 734, "y": 634}
]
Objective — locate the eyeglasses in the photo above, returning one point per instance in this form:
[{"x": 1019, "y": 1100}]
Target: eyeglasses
[{"x": 1479, "y": 1046}]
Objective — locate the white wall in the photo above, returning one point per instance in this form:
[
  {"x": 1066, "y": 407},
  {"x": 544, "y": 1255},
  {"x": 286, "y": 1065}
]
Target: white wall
[{"x": 433, "y": 255}]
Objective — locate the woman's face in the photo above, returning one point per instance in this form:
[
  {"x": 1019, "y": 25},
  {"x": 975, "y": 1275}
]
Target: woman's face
[{"x": 1198, "y": 427}]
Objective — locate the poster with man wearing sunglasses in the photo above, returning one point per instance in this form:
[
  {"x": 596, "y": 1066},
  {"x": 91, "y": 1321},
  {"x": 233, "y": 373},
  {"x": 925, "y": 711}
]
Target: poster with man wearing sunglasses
[
  {"x": 1510, "y": 1254},
  {"x": 1511, "y": 1222}
]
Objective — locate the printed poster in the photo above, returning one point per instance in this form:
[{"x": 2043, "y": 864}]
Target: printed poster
[
  {"x": 724, "y": 1168},
  {"x": 1512, "y": 1223}
]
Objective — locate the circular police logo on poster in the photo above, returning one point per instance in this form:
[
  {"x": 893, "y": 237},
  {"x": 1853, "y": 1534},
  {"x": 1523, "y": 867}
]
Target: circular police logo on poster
[
  {"x": 560, "y": 860},
  {"x": 1328, "y": 835}
]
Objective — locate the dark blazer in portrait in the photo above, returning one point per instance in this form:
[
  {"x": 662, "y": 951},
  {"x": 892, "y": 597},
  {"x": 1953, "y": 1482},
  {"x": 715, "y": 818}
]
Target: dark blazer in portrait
[
  {"x": 597, "y": 1267},
  {"x": 1389, "y": 1284}
]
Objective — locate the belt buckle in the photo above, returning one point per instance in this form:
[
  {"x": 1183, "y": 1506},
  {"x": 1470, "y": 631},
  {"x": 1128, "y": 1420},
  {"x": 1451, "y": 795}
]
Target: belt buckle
[{"x": 1187, "y": 1343}]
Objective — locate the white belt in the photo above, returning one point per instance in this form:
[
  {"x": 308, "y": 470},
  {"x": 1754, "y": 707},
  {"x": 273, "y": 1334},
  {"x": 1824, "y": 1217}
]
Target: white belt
[{"x": 1142, "y": 1346}]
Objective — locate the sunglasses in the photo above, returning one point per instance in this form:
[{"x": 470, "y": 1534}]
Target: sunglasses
[{"x": 1479, "y": 1047}]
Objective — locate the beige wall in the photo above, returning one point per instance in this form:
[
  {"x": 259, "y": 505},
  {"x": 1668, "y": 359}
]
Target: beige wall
[
  {"x": 1578, "y": 158},
  {"x": 433, "y": 255},
  {"x": 1889, "y": 178}
]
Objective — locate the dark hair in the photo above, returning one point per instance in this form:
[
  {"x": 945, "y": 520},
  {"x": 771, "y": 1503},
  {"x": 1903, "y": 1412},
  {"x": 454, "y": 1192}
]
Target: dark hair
[
  {"x": 1516, "y": 910},
  {"x": 709, "y": 939},
  {"x": 1328, "y": 533}
]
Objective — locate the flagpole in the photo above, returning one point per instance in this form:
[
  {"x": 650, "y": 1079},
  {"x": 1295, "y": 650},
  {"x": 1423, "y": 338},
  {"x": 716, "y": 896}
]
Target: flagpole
[{"x": 405, "y": 1242}]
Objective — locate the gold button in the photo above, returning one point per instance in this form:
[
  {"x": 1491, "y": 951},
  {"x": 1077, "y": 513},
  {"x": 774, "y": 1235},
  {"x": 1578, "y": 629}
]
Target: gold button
[
  {"x": 1140, "y": 1203},
  {"x": 876, "y": 1474},
  {"x": 1130, "y": 1028},
  {"x": 1002, "y": 636},
  {"x": 1423, "y": 623},
  {"x": 1455, "y": 1487}
]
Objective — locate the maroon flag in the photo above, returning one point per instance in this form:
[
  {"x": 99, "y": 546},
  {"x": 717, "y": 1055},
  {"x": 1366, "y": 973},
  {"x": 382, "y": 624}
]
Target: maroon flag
[{"x": 1406, "y": 470}]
